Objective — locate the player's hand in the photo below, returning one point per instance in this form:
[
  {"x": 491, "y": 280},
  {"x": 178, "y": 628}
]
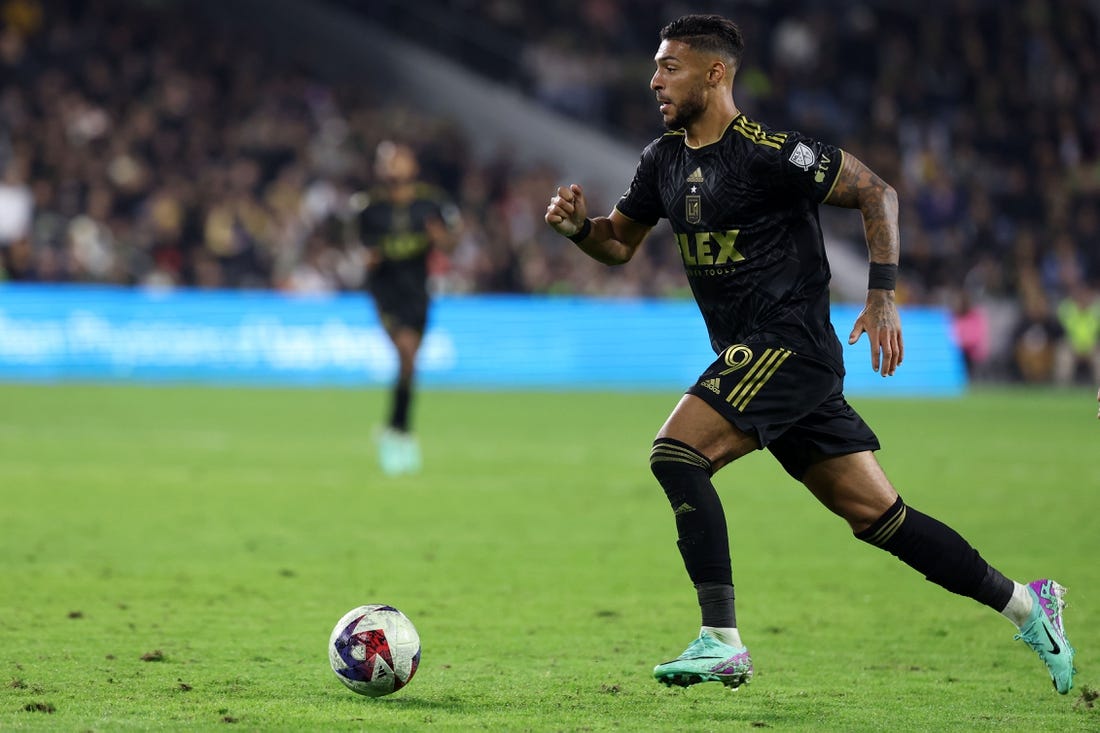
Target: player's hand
[
  {"x": 567, "y": 210},
  {"x": 879, "y": 319},
  {"x": 372, "y": 257},
  {"x": 1098, "y": 401}
]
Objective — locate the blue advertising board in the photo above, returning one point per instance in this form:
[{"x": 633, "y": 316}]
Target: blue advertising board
[{"x": 100, "y": 333}]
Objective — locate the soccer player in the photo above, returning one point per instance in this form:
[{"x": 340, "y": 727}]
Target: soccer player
[
  {"x": 401, "y": 222},
  {"x": 742, "y": 200}
]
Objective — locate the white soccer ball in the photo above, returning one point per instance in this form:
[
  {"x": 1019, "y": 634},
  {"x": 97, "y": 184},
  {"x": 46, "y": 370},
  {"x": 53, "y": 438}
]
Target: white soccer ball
[{"x": 374, "y": 650}]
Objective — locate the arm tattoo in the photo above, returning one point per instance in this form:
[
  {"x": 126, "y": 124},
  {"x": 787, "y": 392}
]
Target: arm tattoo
[{"x": 858, "y": 187}]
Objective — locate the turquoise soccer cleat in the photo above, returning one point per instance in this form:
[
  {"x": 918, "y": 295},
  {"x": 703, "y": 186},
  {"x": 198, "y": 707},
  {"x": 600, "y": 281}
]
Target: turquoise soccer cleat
[
  {"x": 707, "y": 660},
  {"x": 391, "y": 452},
  {"x": 398, "y": 452},
  {"x": 1045, "y": 633}
]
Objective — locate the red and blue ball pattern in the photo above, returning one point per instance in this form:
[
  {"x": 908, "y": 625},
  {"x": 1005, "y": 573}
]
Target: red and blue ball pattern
[{"x": 374, "y": 650}]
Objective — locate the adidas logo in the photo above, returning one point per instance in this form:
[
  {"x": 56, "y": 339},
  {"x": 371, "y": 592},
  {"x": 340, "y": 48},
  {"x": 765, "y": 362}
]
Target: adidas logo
[
  {"x": 696, "y": 177},
  {"x": 712, "y": 384},
  {"x": 683, "y": 509}
]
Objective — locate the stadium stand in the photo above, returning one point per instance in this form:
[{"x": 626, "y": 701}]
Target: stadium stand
[
  {"x": 148, "y": 144},
  {"x": 985, "y": 116}
]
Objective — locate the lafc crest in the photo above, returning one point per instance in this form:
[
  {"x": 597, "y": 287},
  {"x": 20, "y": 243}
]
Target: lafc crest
[
  {"x": 693, "y": 208},
  {"x": 693, "y": 203}
]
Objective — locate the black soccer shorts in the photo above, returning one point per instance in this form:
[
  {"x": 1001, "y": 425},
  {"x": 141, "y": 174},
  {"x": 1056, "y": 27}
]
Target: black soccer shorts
[
  {"x": 400, "y": 307},
  {"x": 794, "y": 405}
]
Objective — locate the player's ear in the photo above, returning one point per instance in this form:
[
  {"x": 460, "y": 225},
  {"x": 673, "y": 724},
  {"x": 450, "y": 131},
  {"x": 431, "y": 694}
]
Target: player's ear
[{"x": 716, "y": 73}]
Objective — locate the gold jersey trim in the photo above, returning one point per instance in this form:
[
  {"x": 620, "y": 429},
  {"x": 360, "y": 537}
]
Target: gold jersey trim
[
  {"x": 754, "y": 132},
  {"x": 839, "y": 170}
]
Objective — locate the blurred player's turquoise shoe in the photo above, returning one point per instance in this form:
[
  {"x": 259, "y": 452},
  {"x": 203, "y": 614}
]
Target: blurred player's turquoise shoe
[
  {"x": 398, "y": 452},
  {"x": 411, "y": 450},
  {"x": 707, "y": 660},
  {"x": 391, "y": 452},
  {"x": 1045, "y": 633}
]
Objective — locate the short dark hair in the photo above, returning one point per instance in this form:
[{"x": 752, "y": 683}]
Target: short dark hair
[{"x": 707, "y": 33}]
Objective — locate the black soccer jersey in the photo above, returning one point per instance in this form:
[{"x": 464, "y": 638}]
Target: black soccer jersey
[
  {"x": 744, "y": 212},
  {"x": 400, "y": 234}
]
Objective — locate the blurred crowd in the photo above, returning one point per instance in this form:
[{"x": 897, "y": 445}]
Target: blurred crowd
[
  {"x": 984, "y": 115},
  {"x": 141, "y": 145}
]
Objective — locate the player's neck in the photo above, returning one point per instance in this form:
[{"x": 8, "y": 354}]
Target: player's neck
[
  {"x": 403, "y": 192},
  {"x": 711, "y": 125}
]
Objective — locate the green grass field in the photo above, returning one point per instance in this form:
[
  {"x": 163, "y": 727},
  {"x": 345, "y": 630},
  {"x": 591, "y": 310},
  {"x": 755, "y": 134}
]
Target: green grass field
[{"x": 175, "y": 557}]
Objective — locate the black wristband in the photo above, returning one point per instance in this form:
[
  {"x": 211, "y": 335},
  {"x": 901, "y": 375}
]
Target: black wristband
[
  {"x": 582, "y": 233},
  {"x": 882, "y": 276}
]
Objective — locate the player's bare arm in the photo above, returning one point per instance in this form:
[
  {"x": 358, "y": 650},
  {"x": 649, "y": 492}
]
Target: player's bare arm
[
  {"x": 858, "y": 187},
  {"x": 441, "y": 236},
  {"x": 369, "y": 252},
  {"x": 611, "y": 239}
]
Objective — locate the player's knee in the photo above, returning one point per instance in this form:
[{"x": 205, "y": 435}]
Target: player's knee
[
  {"x": 669, "y": 458},
  {"x": 878, "y": 527}
]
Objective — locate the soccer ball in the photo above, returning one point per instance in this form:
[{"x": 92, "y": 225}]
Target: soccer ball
[{"x": 374, "y": 650}]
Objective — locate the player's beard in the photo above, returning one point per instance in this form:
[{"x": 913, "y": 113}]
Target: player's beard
[{"x": 688, "y": 110}]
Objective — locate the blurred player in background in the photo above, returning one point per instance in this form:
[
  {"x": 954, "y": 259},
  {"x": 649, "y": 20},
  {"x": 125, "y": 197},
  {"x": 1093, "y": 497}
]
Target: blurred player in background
[
  {"x": 402, "y": 220},
  {"x": 743, "y": 201}
]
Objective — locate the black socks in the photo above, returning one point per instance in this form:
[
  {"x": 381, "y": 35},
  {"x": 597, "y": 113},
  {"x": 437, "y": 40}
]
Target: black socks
[
  {"x": 716, "y": 605},
  {"x": 940, "y": 553},
  {"x": 684, "y": 474},
  {"x": 925, "y": 544},
  {"x": 402, "y": 396}
]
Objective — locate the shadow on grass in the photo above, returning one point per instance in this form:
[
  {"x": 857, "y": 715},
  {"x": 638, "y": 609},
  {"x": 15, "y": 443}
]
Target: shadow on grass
[{"x": 449, "y": 704}]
